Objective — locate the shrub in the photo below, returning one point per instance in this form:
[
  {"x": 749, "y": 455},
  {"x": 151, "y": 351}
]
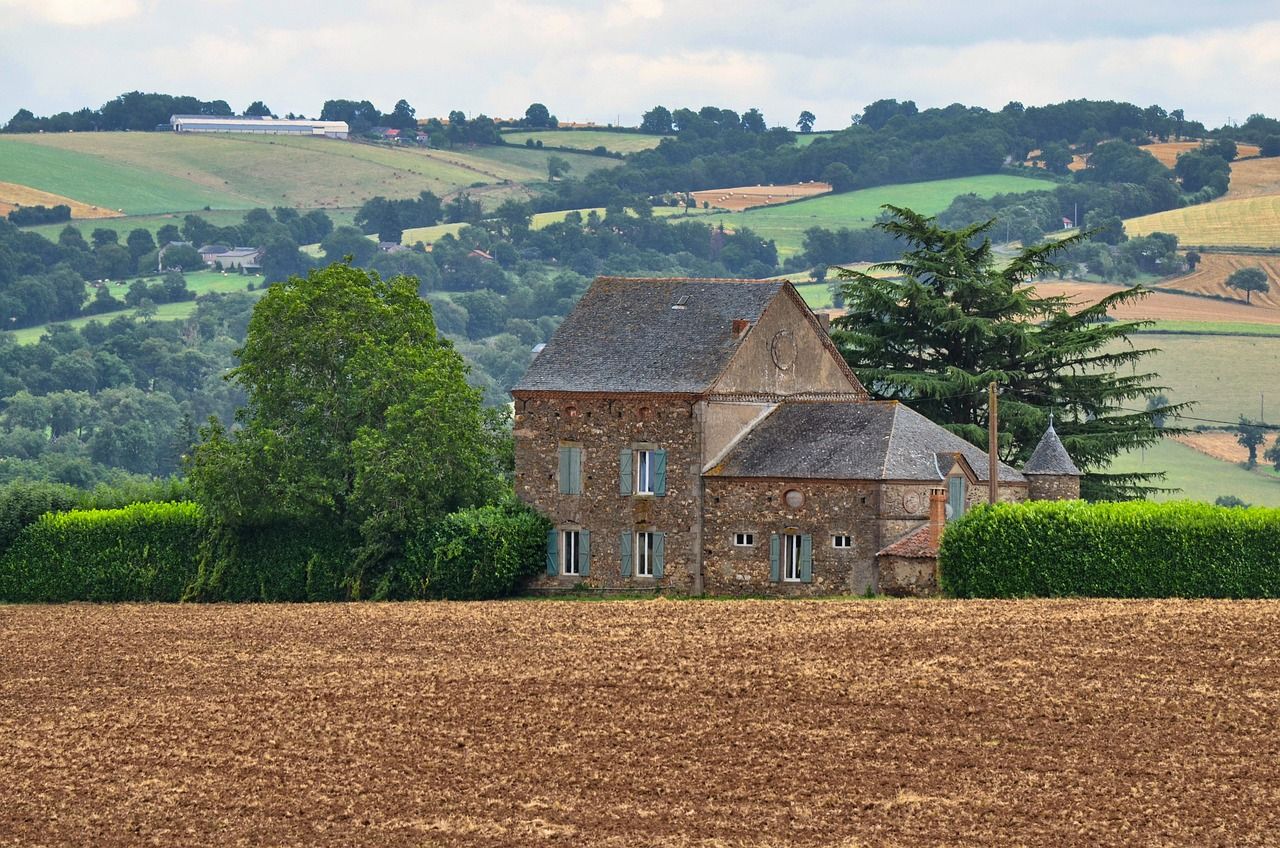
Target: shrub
[
  {"x": 283, "y": 561},
  {"x": 142, "y": 552},
  {"x": 1121, "y": 550},
  {"x": 22, "y": 503},
  {"x": 482, "y": 552}
]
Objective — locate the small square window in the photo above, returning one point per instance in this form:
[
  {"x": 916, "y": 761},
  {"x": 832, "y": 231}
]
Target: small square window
[
  {"x": 842, "y": 541},
  {"x": 744, "y": 540}
]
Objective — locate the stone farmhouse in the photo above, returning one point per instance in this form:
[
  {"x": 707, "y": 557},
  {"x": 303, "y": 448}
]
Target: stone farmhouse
[{"x": 707, "y": 436}]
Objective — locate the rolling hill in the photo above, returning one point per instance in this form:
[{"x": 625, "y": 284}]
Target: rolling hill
[
  {"x": 614, "y": 142},
  {"x": 1245, "y": 222}
]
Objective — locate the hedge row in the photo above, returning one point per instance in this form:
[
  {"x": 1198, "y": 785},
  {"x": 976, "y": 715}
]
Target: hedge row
[
  {"x": 143, "y": 552},
  {"x": 485, "y": 552},
  {"x": 1118, "y": 550},
  {"x": 274, "y": 562}
]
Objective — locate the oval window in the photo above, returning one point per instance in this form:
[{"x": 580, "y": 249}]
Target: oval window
[{"x": 794, "y": 498}]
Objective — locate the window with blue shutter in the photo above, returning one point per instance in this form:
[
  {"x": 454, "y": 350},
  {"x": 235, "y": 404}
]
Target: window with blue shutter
[
  {"x": 659, "y": 472},
  {"x": 584, "y": 552},
  {"x": 553, "y": 552},
  {"x": 570, "y": 470},
  {"x": 659, "y": 553},
  {"x": 775, "y": 550},
  {"x": 624, "y": 472},
  {"x": 955, "y": 497},
  {"x": 806, "y": 559},
  {"x": 624, "y": 550}
]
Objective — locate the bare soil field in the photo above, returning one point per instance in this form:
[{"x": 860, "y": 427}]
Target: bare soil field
[
  {"x": 749, "y": 197},
  {"x": 1254, "y": 177},
  {"x": 1167, "y": 306},
  {"x": 1221, "y": 446},
  {"x": 13, "y": 195},
  {"x": 848, "y": 723},
  {"x": 1210, "y": 277}
]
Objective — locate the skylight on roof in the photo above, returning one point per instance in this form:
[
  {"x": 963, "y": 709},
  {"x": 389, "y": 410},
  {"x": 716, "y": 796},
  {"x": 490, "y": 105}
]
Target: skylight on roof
[{"x": 681, "y": 303}]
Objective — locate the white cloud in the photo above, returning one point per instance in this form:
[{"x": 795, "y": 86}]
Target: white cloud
[{"x": 73, "y": 13}]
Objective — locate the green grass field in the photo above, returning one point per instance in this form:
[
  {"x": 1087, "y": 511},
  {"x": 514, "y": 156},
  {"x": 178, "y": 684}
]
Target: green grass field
[
  {"x": 1224, "y": 375},
  {"x": 1212, "y": 328},
  {"x": 615, "y": 142},
  {"x": 1200, "y": 477},
  {"x": 806, "y": 139},
  {"x": 1246, "y": 222},
  {"x": 149, "y": 173},
  {"x": 786, "y": 223}
]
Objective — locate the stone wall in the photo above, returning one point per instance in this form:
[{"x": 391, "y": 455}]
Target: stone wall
[
  {"x": 1053, "y": 487},
  {"x": 602, "y": 427},
  {"x": 737, "y": 505},
  {"x": 908, "y": 577}
]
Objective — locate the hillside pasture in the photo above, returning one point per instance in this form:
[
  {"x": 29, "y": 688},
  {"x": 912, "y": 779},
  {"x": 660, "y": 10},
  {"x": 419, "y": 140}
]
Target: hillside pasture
[
  {"x": 855, "y": 209},
  {"x": 1169, "y": 151},
  {"x": 1246, "y": 222},
  {"x": 1210, "y": 277},
  {"x": 641, "y": 723},
  {"x": 1197, "y": 476},
  {"x": 14, "y": 196},
  {"x": 614, "y": 142},
  {"x": 739, "y": 198},
  {"x": 1254, "y": 177},
  {"x": 1223, "y": 375}
]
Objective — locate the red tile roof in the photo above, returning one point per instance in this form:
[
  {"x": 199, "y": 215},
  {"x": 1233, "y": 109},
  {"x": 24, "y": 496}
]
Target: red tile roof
[{"x": 915, "y": 545}]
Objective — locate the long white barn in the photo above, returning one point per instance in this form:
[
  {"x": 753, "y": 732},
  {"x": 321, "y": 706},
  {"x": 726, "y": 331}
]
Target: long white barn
[{"x": 262, "y": 126}]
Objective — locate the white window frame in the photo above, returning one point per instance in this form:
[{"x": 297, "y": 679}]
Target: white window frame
[
  {"x": 744, "y": 540},
  {"x": 791, "y": 557},
  {"x": 570, "y": 542},
  {"x": 642, "y": 471},
  {"x": 642, "y": 562},
  {"x": 842, "y": 542}
]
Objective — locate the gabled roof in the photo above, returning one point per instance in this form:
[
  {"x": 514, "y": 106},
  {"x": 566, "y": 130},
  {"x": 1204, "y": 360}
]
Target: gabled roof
[
  {"x": 880, "y": 440},
  {"x": 1051, "y": 457},
  {"x": 672, "y": 336},
  {"x": 918, "y": 544}
]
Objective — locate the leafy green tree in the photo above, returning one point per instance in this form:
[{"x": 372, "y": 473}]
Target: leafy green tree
[
  {"x": 168, "y": 233},
  {"x": 140, "y": 243},
  {"x": 1056, "y": 157},
  {"x": 1249, "y": 280},
  {"x": 753, "y": 121},
  {"x": 838, "y": 175},
  {"x": 348, "y": 241},
  {"x": 1273, "y": 454},
  {"x": 1197, "y": 169},
  {"x": 258, "y": 109},
  {"x": 358, "y": 415},
  {"x": 1250, "y": 436},
  {"x": 656, "y": 120},
  {"x": 1270, "y": 146},
  {"x": 537, "y": 115},
  {"x": 805, "y": 122},
  {"x": 1193, "y": 259},
  {"x": 403, "y": 116},
  {"x": 951, "y": 319},
  {"x": 557, "y": 167}
]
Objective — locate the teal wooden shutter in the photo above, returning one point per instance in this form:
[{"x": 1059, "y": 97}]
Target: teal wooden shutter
[
  {"x": 584, "y": 552},
  {"x": 659, "y": 552},
  {"x": 624, "y": 548},
  {"x": 806, "y": 559},
  {"x": 624, "y": 472},
  {"x": 575, "y": 471},
  {"x": 566, "y": 472},
  {"x": 553, "y": 552},
  {"x": 659, "y": 459},
  {"x": 955, "y": 495},
  {"x": 775, "y": 571}
]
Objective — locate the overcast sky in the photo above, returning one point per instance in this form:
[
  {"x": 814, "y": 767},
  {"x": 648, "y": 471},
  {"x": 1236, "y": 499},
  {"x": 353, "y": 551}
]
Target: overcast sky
[{"x": 610, "y": 60}]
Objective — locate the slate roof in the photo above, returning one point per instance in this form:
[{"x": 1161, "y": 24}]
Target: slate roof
[
  {"x": 1050, "y": 457},
  {"x": 849, "y": 440},
  {"x": 915, "y": 545},
  {"x": 625, "y": 336}
]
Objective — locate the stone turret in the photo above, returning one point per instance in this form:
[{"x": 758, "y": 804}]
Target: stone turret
[{"x": 1050, "y": 473}]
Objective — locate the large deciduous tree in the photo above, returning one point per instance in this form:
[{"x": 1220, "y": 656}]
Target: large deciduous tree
[
  {"x": 1249, "y": 280},
  {"x": 935, "y": 327},
  {"x": 358, "y": 417}
]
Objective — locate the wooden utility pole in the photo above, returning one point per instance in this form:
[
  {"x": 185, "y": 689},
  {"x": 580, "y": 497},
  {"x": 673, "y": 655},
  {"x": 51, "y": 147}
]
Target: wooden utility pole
[{"x": 993, "y": 441}]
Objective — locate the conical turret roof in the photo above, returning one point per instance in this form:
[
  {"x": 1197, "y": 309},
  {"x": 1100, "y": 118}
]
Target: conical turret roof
[{"x": 1051, "y": 457}]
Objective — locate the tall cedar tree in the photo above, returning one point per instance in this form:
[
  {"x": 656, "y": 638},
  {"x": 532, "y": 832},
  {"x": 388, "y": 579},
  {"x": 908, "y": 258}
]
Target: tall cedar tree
[
  {"x": 359, "y": 417},
  {"x": 947, "y": 319}
]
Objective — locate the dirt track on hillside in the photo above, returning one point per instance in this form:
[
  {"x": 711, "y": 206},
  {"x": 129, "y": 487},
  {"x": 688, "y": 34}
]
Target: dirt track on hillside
[{"x": 642, "y": 723}]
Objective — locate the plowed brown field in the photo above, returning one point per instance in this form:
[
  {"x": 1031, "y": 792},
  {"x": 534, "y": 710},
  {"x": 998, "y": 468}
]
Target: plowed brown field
[
  {"x": 1163, "y": 305},
  {"x": 1210, "y": 277},
  {"x": 1084, "y": 723},
  {"x": 749, "y": 197},
  {"x": 1223, "y": 446}
]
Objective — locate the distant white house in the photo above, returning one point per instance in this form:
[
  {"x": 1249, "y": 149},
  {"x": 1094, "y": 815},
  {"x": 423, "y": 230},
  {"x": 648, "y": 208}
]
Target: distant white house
[
  {"x": 231, "y": 257},
  {"x": 265, "y": 125}
]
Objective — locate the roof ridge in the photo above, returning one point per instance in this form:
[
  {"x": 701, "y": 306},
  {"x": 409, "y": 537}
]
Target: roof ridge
[
  {"x": 888, "y": 448},
  {"x": 612, "y": 279}
]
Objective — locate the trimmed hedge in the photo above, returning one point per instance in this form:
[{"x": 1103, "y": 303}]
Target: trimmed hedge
[
  {"x": 483, "y": 552},
  {"x": 1118, "y": 550},
  {"x": 284, "y": 561},
  {"x": 142, "y": 552}
]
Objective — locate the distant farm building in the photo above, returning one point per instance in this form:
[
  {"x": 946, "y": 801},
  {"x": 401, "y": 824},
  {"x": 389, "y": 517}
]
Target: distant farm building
[
  {"x": 231, "y": 257},
  {"x": 258, "y": 125}
]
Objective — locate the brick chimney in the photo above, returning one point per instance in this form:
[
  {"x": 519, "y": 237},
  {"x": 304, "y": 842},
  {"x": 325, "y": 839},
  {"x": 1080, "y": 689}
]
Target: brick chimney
[
  {"x": 937, "y": 514},
  {"x": 740, "y": 326},
  {"x": 824, "y": 318}
]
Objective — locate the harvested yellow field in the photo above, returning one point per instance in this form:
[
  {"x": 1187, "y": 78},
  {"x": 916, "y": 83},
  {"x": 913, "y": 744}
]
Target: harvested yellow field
[
  {"x": 642, "y": 723},
  {"x": 1221, "y": 446},
  {"x": 1210, "y": 277},
  {"x": 1169, "y": 151},
  {"x": 1163, "y": 305},
  {"x": 1254, "y": 177},
  {"x": 749, "y": 197},
  {"x": 13, "y": 196},
  {"x": 1246, "y": 222}
]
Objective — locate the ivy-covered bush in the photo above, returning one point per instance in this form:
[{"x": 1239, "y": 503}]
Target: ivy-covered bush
[
  {"x": 482, "y": 552},
  {"x": 1120, "y": 550},
  {"x": 282, "y": 561},
  {"x": 142, "y": 552}
]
